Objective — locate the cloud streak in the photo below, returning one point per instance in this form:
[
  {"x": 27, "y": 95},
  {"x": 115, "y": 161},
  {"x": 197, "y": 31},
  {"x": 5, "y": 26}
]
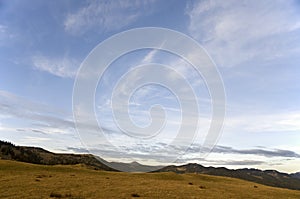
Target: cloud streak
[
  {"x": 261, "y": 122},
  {"x": 60, "y": 67},
  {"x": 259, "y": 152},
  {"x": 105, "y": 16},
  {"x": 239, "y": 32},
  {"x": 48, "y": 123},
  {"x": 42, "y": 115}
]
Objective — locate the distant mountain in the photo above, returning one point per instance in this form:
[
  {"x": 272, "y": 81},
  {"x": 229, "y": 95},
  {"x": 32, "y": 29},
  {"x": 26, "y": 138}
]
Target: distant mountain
[
  {"x": 132, "y": 167},
  {"x": 40, "y": 156},
  {"x": 267, "y": 177},
  {"x": 296, "y": 175}
]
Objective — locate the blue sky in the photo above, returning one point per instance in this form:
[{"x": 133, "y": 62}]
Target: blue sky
[{"x": 254, "y": 44}]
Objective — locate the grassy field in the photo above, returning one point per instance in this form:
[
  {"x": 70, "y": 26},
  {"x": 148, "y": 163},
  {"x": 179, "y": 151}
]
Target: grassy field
[{"x": 22, "y": 180}]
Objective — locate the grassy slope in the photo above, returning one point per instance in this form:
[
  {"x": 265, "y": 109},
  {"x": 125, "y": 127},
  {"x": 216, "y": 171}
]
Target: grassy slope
[{"x": 23, "y": 180}]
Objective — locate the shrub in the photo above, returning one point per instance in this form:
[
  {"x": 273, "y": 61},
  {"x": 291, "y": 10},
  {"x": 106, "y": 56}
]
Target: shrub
[
  {"x": 135, "y": 195},
  {"x": 55, "y": 195}
]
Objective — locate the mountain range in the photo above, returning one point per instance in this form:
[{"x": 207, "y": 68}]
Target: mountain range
[{"x": 37, "y": 155}]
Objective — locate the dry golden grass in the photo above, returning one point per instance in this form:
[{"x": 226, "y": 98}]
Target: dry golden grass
[{"x": 22, "y": 180}]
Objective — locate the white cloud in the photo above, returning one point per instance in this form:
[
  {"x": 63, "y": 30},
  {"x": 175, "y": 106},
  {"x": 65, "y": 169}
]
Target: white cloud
[
  {"x": 235, "y": 32},
  {"x": 2, "y": 29},
  {"x": 5, "y": 35},
  {"x": 106, "y": 15},
  {"x": 40, "y": 115},
  {"x": 149, "y": 57},
  {"x": 271, "y": 122},
  {"x": 61, "y": 67}
]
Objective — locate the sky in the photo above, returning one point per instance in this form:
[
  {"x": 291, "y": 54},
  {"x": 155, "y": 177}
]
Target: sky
[{"x": 254, "y": 45}]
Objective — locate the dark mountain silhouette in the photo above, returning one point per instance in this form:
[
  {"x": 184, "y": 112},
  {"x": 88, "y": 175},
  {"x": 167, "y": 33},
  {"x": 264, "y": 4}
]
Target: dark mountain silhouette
[
  {"x": 266, "y": 177},
  {"x": 296, "y": 175},
  {"x": 37, "y": 155}
]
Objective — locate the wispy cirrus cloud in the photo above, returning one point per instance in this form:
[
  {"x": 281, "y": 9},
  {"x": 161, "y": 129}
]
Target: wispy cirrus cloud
[
  {"x": 44, "y": 119},
  {"x": 61, "y": 67},
  {"x": 238, "y": 32},
  {"x": 285, "y": 121},
  {"x": 5, "y": 35},
  {"x": 105, "y": 16},
  {"x": 2, "y": 28},
  {"x": 13, "y": 106},
  {"x": 52, "y": 122}
]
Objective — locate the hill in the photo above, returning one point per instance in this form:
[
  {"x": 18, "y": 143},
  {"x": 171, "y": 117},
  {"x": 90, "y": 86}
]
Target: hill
[
  {"x": 267, "y": 177},
  {"x": 9, "y": 151},
  {"x": 296, "y": 175},
  {"x": 24, "y": 180},
  {"x": 36, "y": 155}
]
